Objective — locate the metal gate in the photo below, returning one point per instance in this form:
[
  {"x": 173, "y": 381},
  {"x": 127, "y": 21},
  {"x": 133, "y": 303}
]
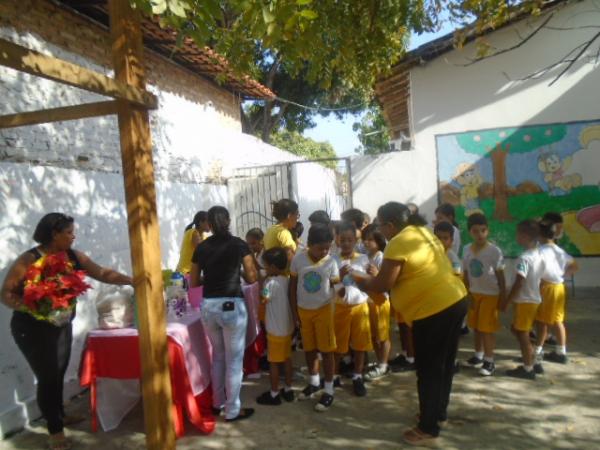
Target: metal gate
[{"x": 252, "y": 190}]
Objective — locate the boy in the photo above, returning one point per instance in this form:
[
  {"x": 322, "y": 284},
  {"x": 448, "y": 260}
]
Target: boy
[
  {"x": 483, "y": 268},
  {"x": 312, "y": 276},
  {"x": 445, "y": 233},
  {"x": 352, "y": 326},
  {"x": 525, "y": 294},
  {"x": 279, "y": 324}
]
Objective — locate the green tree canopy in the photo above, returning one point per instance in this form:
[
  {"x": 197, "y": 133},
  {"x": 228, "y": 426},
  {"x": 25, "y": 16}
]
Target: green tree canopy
[
  {"x": 295, "y": 143},
  {"x": 373, "y": 132},
  {"x": 518, "y": 140}
]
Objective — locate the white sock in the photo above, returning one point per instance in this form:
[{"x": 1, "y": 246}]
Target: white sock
[
  {"x": 561, "y": 349},
  {"x": 329, "y": 387},
  {"x": 528, "y": 368},
  {"x": 274, "y": 394},
  {"x": 410, "y": 359},
  {"x": 383, "y": 366},
  {"x": 314, "y": 380},
  {"x": 287, "y": 388},
  {"x": 488, "y": 359},
  {"x": 356, "y": 376},
  {"x": 479, "y": 355},
  {"x": 538, "y": 349}
]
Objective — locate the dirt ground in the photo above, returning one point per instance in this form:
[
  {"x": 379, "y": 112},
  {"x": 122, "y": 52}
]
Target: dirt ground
[{"x": 561, "y": 409}]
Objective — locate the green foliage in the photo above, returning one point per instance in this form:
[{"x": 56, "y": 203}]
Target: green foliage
[
  {"x": 517, "y": 140},
  {"x": 373, "y": 133},
  {"x": 295, "y": 143}
]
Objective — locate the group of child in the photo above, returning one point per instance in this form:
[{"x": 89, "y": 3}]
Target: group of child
[{"x": 315, "y": 290}]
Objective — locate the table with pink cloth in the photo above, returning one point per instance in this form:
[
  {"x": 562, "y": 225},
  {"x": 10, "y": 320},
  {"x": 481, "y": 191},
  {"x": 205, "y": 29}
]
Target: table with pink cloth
[{"x": 116, "y": 397}]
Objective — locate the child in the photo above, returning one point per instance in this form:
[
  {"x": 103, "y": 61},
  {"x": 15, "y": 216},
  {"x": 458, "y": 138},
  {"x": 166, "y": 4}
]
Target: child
[
  {"x": 379, "y": 313},
  {"x": 551, "y": 312},
  {"x": 445, "y": 233},
  {"x": 445, "y": 213},
  {"x": 319, "y": 216},
  {"x": 352, "y": 326},
  {"x": 279, "y": 324},
  {"x": 254, "y": 239},
  {"x": 312, "y": 275},
  {"x": 525, "y": 294},
  {"x": 357, "y": 218},
  {"x": 296, "y": 234},
  {"x": 483, "y": 267}
]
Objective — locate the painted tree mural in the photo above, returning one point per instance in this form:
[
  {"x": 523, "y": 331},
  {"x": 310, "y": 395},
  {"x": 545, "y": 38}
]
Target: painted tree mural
[{"x": 497, "y": 145}]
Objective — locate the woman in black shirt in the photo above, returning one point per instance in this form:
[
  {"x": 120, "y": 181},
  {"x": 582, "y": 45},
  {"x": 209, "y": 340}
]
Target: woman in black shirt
[{"x": 216, "y": 265}]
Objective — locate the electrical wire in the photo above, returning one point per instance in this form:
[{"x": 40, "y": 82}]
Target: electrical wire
[{"x": 320, "y": 108}]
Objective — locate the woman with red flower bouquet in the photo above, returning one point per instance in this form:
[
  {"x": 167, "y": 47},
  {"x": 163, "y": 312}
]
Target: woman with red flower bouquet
[{"x": 42, "y": 287}]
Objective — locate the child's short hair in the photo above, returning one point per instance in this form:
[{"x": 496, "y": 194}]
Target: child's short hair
[
  {"x": 553, "y": 217},
  {"x": 319, "y": 233},
  {"x": 298, "y": 230},
  {"x": 343, "y": 227},
  {"x": 366, "y": 218},
  {"x": 255, "y": 233},
  {"x": 283, "y": 208},
  {"x": 354, "y": 216},
  {"x": 276, "y": 256},
  {"x": 319, "y": 216},
  {"x": 529, "y": 228},
  {"x": 476, "y": 219},
  {"x": 547, "y": 229},
  {"x": 447, "y": 210},
  {"x": 444, "y": 227},
  {"x": 371, "y": 232}
]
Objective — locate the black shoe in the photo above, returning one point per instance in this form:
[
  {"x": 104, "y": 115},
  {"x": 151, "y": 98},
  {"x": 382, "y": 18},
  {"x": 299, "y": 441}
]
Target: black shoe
[
  {"x": 474, "y": 361},
  {"x": 325, "y": 402},
  {"x": 550, "y": 341},
  {"x": 555, "y": 357},
  {"x": 267, "y": 399},
  {"x": 337, "y": 382},
  {"x": 400, "y": 359},
  {"x": 245, "y": 413},
  {"x": 538, "y": 369},
  {"x": 520, "y": 372},
  {"x": 308, "y": 392},
  {"x": 359, "y": 388},
  {"x": 288, "y": 396},
  {"x": 464, "y": 331},
  {"x": 487, "y": 369}
]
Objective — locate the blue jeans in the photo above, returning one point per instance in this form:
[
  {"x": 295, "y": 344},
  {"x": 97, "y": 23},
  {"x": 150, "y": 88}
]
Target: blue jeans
[{"x": 227, "y": 333}]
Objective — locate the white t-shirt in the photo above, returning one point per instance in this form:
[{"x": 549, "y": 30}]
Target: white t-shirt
[
  {"x": 278, "y": 316},
  {"x": 358, "y": 263},
  {"x": 454, "y": 261},
  {"x": 530, "y": 265},
  {"x": 481, "y": 268},
  {"x": 314, "y": 280},
  {"x": 456, "y": 240},
  {"x": 377, "y": 259},
  {"x": 556, "y": 261}
]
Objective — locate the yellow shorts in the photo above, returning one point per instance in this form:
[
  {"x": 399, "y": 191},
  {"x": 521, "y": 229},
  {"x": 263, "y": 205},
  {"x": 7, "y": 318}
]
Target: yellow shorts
[
  {"x": 317, "y": 329},
  {"x": 483, "y": 313},
  {"x": 279, "y": 348},
  {"x": 352, "y": 328},
  {"x": 552, "y": 309},
  {"x": 380, "y": 321},
  {"x": 524, "y": 315}
]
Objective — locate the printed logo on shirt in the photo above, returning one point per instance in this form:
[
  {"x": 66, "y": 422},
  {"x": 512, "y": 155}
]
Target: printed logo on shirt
[
  {"x": 475, "y": 268},
  {"x": 312, "y": 282},
  {"x": 522, "y": 266}
]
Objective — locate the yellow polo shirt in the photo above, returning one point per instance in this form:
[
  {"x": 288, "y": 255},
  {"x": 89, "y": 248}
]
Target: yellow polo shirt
[
  {"x": 279, "y": 236},
  {"x": 427, "y": 284}
]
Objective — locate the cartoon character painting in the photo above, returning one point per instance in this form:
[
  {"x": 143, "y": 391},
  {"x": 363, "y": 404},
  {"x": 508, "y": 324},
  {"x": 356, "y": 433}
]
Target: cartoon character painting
[
  {"x": 470, "y": 180},
  {"x": 554, "y": 170}
]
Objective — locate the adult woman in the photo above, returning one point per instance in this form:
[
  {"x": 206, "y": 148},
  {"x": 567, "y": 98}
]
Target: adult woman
[
  {"x": 279, "y": 235},
  {"x": 47, "y": 347},
  {"x": 194, "y": 233},
  {"x": 428, "y": 295},
  {"x": 216, "y": 265}
]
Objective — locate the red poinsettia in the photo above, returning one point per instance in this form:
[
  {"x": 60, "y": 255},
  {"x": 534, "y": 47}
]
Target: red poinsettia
[{"x": 52, "y": 287}]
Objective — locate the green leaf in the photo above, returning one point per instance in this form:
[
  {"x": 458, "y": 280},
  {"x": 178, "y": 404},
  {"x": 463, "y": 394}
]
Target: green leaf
[
  {"x": 309, "y": 14},
  {"x": 177, "y": 7},
  {"x": 303, "y": 2},
  {"x": 267, "y": 15},
  {"x": 159, "y": 6}
]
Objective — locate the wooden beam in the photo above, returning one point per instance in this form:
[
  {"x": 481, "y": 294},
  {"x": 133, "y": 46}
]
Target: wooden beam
[
  {"x": 36, "y": 63},
  {"x": 140, "y": 194},
  {"x": 58, "y": 114}
]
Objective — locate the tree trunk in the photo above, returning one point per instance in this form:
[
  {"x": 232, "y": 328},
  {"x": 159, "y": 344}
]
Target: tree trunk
[{"x": 501, "y": 212}]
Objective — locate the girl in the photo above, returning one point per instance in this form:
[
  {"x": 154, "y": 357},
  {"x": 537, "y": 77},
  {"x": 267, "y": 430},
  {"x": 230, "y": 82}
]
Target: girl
[
  {"x": 194, "y": 233},
  {"x": 445, "y": 213}
]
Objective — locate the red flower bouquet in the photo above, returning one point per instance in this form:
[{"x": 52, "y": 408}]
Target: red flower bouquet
[{"x": 51, "y": 288}]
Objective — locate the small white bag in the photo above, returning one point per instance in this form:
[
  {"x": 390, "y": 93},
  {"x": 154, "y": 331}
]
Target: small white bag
[{"x": 115, "y": 306}]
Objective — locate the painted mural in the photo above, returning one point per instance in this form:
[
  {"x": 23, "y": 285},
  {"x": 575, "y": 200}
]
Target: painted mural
[{"x": 512, "y": 174}]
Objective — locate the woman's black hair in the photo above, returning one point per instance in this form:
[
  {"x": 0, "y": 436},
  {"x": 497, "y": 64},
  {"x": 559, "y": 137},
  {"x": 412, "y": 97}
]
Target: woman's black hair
[
  {"x": 319, "y": 216},
  {"x": 399, "y": 215},
  {"x": 448, "y": 210},
  {"x": 476, "y": 219},
  {"x": 49, "y": 224},
  {"x": 354, "y": 216},
  {"x": 255, "y": 233},
  {"x": 529, "y": 228},
  {"x": 283, "y": 208},
  {"x": 547, "y": 229},
  {"x": 343, "y": 227},
  {"x": 319, "y": 233},
  {"x": 219, "y": 221},
  {"x": 276, "y": 256},
  {"x": 297, "y": 230},
  {"x": 444, "y": 227},
  {"x": 553, "y": 217},
  {"x": 371, "y": 231},
  {"x": 201, "y": 216}
]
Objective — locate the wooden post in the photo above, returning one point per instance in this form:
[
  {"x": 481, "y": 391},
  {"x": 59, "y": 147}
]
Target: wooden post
[{"x": 138, "y": 172}]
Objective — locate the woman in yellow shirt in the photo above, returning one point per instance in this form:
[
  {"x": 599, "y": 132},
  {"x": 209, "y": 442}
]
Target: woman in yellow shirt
[
  {"x": 432, "y": 299},
  {"x": 195, "y": 233}
]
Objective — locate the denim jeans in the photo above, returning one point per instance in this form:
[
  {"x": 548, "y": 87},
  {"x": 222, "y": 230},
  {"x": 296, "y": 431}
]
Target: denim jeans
[{"x": 227, "y": 333}]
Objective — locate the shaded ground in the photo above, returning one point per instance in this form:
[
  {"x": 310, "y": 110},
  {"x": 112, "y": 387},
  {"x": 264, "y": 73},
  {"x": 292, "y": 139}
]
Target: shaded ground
[{"x": 559, "y": 410}]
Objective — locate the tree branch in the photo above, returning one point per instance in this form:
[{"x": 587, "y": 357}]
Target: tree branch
[{"x": 586, "y": 46}]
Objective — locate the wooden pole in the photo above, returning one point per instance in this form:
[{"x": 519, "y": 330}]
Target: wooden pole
[
  {"x": 58, "y": 114},
  {"x": 138, "y": 171}
]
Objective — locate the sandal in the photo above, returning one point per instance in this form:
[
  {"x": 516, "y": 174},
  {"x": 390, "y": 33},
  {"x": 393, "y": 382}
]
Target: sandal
[
  {"x": 245, "y": 413},
  {"x": 416, "y": 437},
  {"x": 59, "y": 443}
]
